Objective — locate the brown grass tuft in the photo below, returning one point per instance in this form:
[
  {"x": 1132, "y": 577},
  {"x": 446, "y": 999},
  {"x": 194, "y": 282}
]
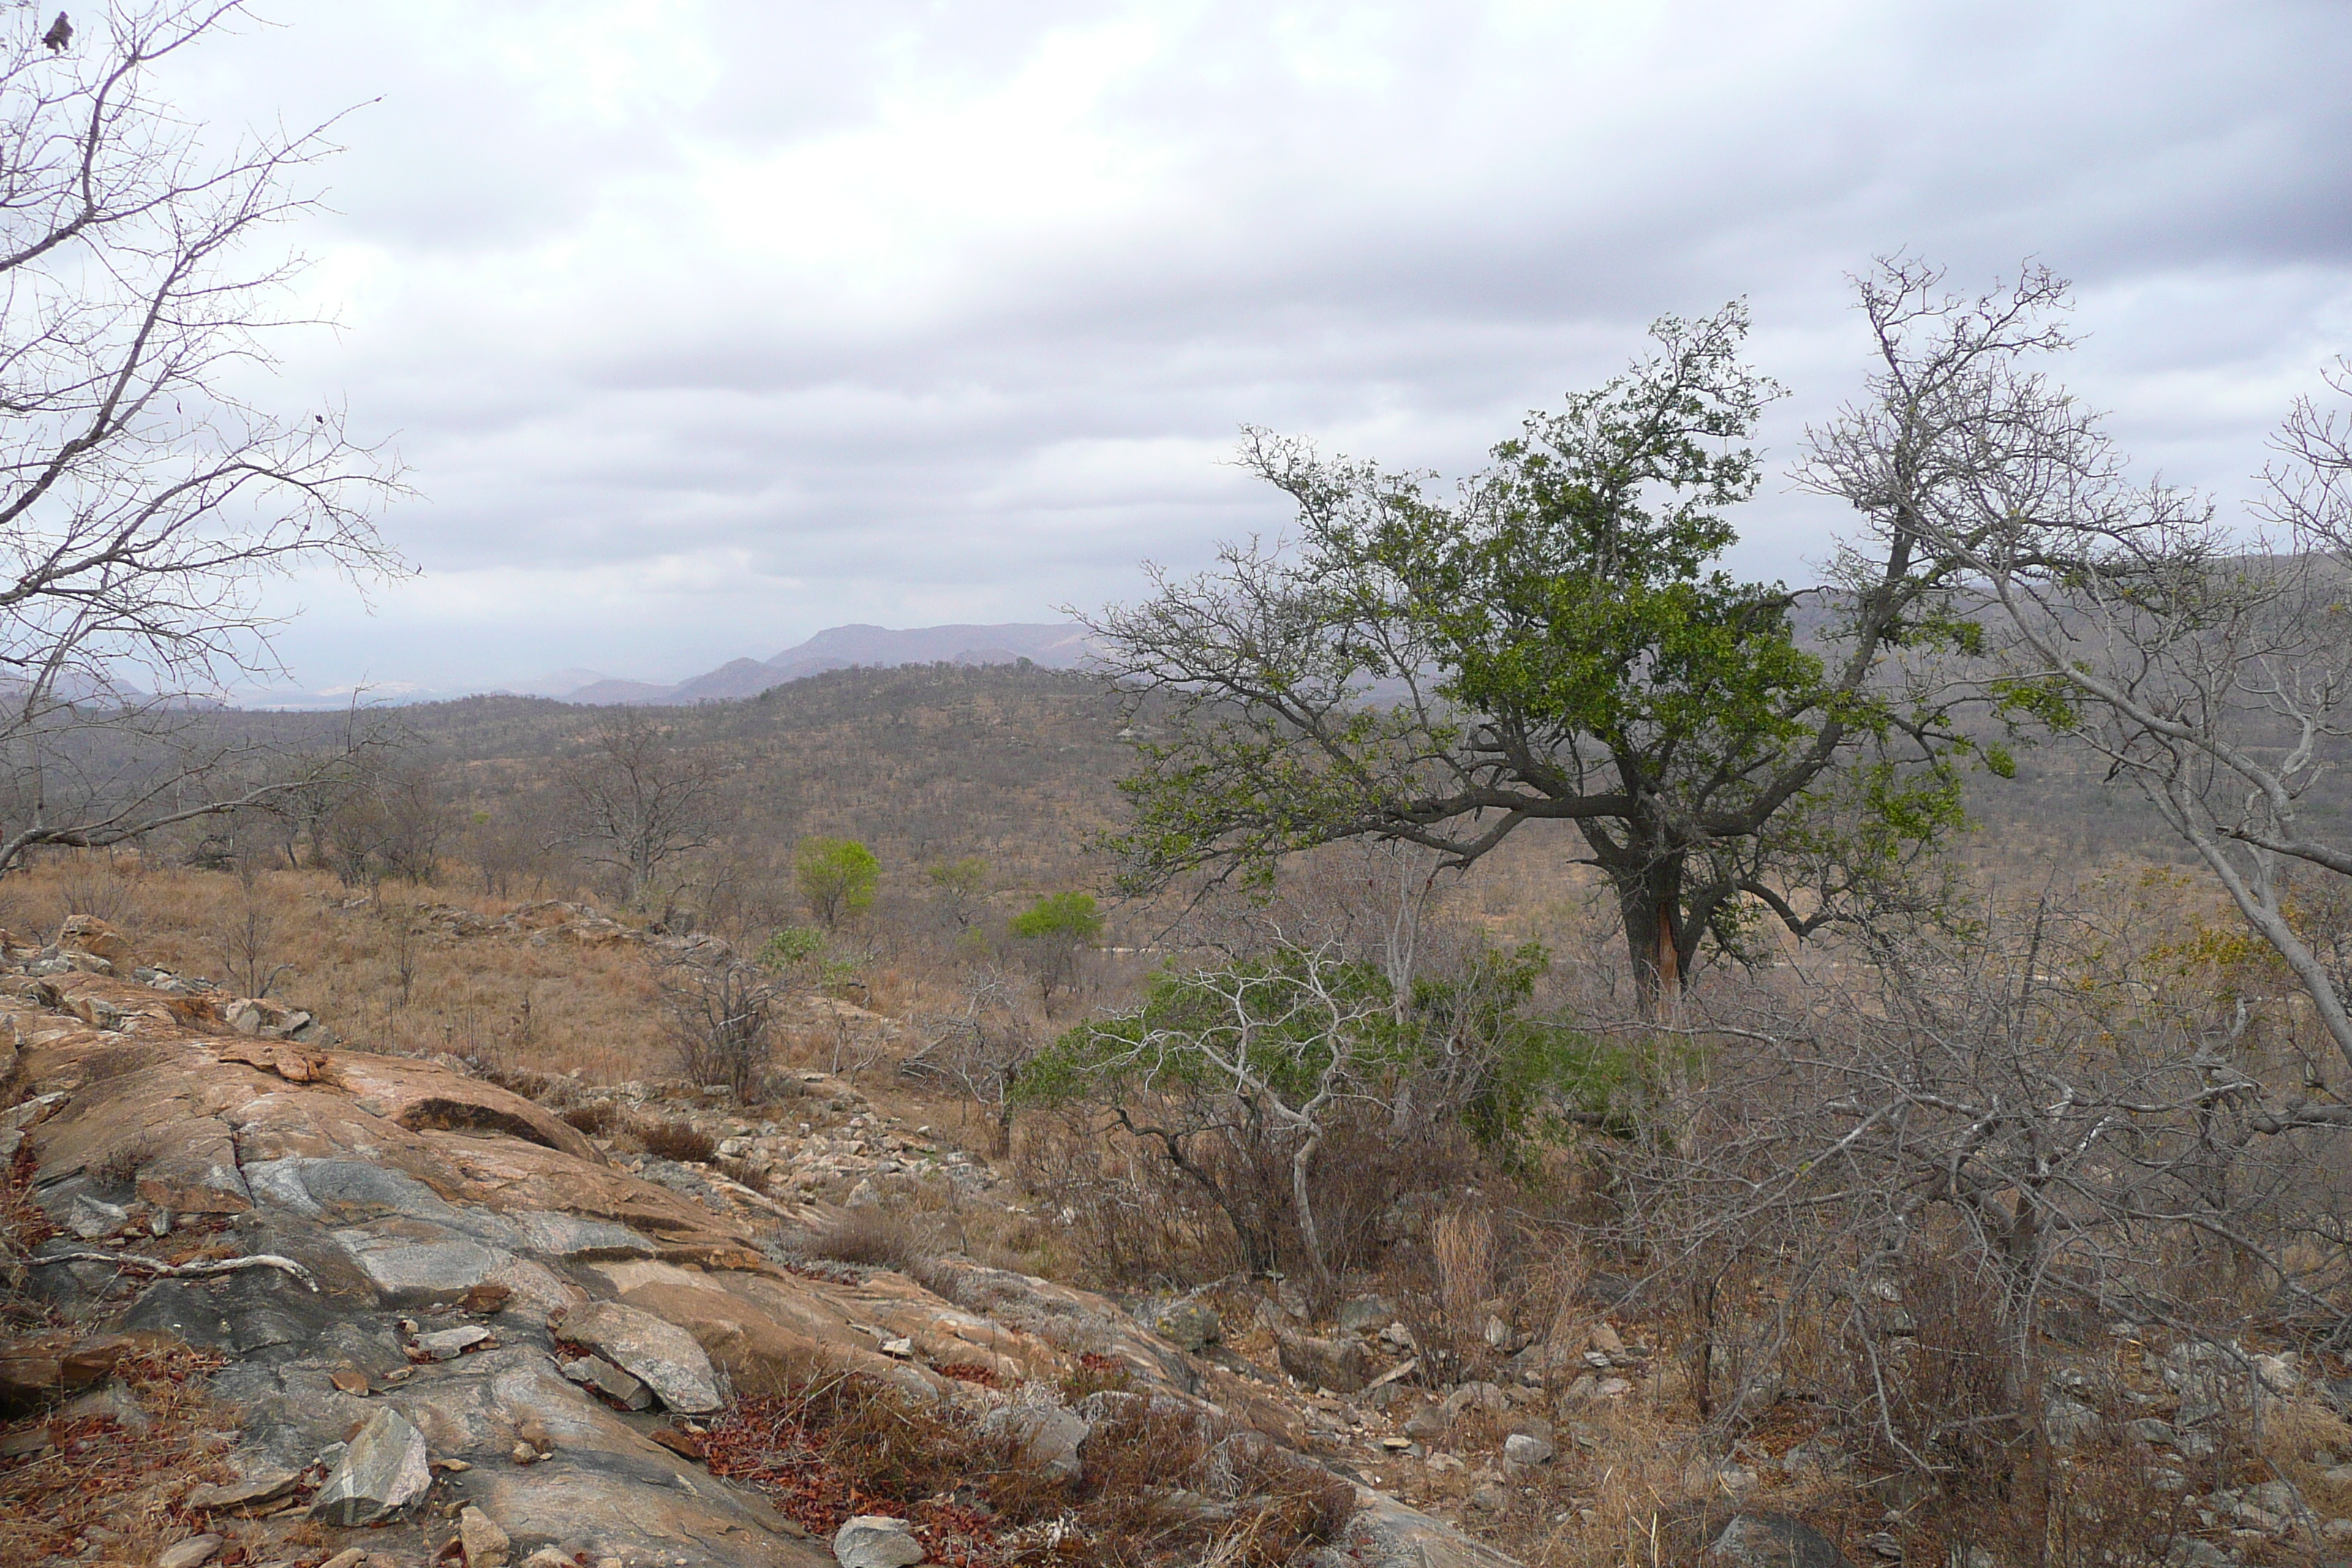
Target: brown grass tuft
[
  {"x": 598, "y": 1119},
  {"x": 869, "y": 1238},
  {"x": 681, "y": 1140}
]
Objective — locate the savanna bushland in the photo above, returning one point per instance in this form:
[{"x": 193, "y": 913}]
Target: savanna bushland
[{"x": 1637, "y": 1063}]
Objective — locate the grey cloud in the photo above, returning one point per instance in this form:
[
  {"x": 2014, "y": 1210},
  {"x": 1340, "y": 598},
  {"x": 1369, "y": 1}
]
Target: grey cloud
[{"x": 697, "y": 347}]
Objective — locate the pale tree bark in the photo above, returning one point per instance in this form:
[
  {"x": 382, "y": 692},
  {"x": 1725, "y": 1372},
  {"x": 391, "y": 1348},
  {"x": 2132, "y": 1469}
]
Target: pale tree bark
[{"x": 2213, "y": 672}]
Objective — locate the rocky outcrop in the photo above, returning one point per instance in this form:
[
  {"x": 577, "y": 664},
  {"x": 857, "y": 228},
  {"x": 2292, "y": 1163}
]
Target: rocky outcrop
[{"x": 410, "y": 1259}]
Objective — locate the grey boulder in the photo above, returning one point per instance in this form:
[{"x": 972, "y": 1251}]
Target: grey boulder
[
  {"x": 2069, "y": 1423},
  {"x": 1772, "y": 1540},
  {"x": 1189, "y": 1325},
  {"x": 382, "y": 1470},
  {"x": 1339, "y": 1365},
  {"x": 1049, "y": 1435},
  {"x": 596, "y": 1374},
  {"x": 1526, "y": 1449},
  {"x": 875, "y": 1540}
]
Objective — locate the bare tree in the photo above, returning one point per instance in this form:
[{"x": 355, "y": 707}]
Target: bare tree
[
  {"x": 721, "y": 1013},
  {"x": 142, "y": 504},
  {"x": 2213, "y": 674},
  {"x": 633, "y": 801},
  {"x": 978, "y": 1049},
  {"x": 1234, "y": 1071},
  {"x": 2032, "y": 1122}
]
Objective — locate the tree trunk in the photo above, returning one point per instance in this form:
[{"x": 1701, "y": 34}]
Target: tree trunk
[
  {"x": 1308, "y": 1233},
  {"x": 1649, "y": 903}
]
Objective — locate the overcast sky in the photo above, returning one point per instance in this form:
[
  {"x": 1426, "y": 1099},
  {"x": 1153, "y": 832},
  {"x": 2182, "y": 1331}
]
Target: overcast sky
[{"x": 704, "y": 326}]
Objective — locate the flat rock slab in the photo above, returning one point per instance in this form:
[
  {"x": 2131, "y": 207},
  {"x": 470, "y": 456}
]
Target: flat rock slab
[
  {"x": 449, "y": 1344},
  {"x": 250, "y": 1492},
  {"x": 422, "y": 1273},
  {"x": 573, "y": 1239},
  {"x": 384, "y": 1470},
  {"x": 192, "y": 1552},
  {"x": 661, "y": 1355}
]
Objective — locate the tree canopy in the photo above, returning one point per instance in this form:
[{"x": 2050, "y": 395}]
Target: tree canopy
[
  {"x": 1556, "y": 641},
  {"x": 837, "y": 876}
]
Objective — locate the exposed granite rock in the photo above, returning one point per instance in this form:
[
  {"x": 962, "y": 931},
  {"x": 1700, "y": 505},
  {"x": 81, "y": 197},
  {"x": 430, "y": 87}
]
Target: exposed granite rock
[
  {"x": 409, "y": 1188},
  {"x": 1772, "y": 1540},
  {"x": 661, "y": 1355},
  {"x": 875, "y": 1540},
  {"x": 381, "y": 1471}
]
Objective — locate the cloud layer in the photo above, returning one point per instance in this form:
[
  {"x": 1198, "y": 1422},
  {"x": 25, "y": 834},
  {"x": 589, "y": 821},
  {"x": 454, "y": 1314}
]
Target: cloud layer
[{"x": 703, "y": 326}]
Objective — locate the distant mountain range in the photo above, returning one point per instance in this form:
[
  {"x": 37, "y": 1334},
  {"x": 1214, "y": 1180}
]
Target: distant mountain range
[{"x": 1057, "y": 646}]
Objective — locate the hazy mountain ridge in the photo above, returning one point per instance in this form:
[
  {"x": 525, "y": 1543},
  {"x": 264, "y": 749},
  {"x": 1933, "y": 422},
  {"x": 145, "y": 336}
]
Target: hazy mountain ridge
[{"x": 1053, "y": 645}]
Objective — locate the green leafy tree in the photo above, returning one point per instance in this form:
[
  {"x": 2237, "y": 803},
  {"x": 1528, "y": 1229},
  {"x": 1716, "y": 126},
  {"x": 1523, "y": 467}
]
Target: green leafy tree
[
  {"x": 1054, "y": 932},
  {"x": 1070, "y": 917},
  {"x": 837, "y": 876},
  {"x": 1556, "y": 642},
  {"x": 788, "y": 947}
]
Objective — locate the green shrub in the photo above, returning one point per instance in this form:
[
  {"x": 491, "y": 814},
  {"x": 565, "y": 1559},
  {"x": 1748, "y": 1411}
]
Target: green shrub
[
  {"x": 791, "y": 945},
  {"x": 837, "y": 876}
]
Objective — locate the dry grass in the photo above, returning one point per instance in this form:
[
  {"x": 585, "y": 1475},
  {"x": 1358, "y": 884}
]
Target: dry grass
[
  {"x": 598, "y": 1118},
  {"x": 870, "y": 1239},
  {"x": 681, "y": 1140},
  {"x": 1162, "y": 1484},
  {"x": 101, "y": 1483},
  {"x": 501, "y": 1000}
]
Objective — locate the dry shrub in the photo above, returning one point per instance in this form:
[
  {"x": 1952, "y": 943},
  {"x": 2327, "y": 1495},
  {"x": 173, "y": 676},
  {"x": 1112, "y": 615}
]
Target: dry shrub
[
  {"x": 122, "y": 1163},
  {"x": 24, "y": 1226},
  {"x": 1946, "y": 1359},
  {"x": 2100, "y": 1508},
  {"x": 868, "y": 1238},
  {"x": 515, "y": 1080},
  {"x": 889, "y": 1443},
  {"x": 1096, "y": 1373},
  {"x": 1364, "y": 1169},
  {"x": 1464, "y": 1247},
  {"x": 1113, "y": 1200},
  {"x": 596, "y": 1118},
  {"x": 1443, "y": 1293},
  {"x": 825, "y": 1450},
  {"x": 1164, "y": 1483},
  {"x": 721, "y": 1013},
  {"x": 681, "y": 1140},
  {"x": 745, "y": 1175}
]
